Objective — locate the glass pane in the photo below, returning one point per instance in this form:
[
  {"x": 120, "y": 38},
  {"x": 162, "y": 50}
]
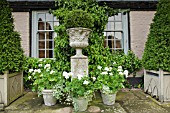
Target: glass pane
[
  {"x": 41, "y": 53},
  {"x": 111, "y": 18},
  {"x": 41, "y": 16},
  {"x": 41, "y": 44},
  {"x": 49, "y": 25},
  {"x": 56, "y": 23},
  {"x": 118, "y": 35},
  {"x": 49, "y": 17},
  {"x": 49, "y": 35},
  {"x": 41, "y": 25},
  {"x": 49, "y": 53},
  {"x": 49, "y": 44},
  {"x": 111, "y": 26},
  {"x": 118, "y": 17},
  {"x": 118, "y": 25},
  {"x": 41, "y": 35},
  {"x": 118, "y": 44}
]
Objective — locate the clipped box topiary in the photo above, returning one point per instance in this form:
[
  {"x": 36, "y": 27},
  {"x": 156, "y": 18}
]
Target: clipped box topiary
[
  {"x": 11, "y": 57},
  {"x": 157, "y": 54}
]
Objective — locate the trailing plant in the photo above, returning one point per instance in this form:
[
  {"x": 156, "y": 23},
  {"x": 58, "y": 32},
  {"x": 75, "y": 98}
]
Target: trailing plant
[
  {"x": 11, "y": 53},
  {"x": 157, "y": 48}
]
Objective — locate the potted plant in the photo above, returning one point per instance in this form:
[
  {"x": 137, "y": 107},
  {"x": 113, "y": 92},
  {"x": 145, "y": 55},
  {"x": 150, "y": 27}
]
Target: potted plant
[
  {"x": 157, "y": 53},
  {"x": 44, "y": 79},
  {"x": 109, "y": 81},
  {"x": 11, "y": 57},
  {"x": 81, "y": 90}
]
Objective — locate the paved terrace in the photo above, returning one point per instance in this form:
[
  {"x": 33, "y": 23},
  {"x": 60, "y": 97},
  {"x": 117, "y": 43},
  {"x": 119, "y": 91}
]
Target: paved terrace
[{"x": 128, "y": 101}]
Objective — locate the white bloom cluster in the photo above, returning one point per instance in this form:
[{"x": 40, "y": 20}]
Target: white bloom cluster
[
  {"x": 67, "y": 75},
  {"x": 37, "y": 71},
  {"x": 86, "y": 82},
  {"x": 79, "y": 76},
  {"x": 31, "y": 70},
  {"x": 47, "y": 66},
  {"x": 94, "y": 78},
  {"x": 52, "y": 71}
]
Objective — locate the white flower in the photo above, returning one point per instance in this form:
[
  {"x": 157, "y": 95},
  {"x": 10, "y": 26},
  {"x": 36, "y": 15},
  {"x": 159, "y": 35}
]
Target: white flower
[
  {"x": 104, "y": 73},
  {"x": 120, "y": 73},
  {"x": 66, "y": 75},
  {"x": 120, "y": 69},
  {"x": 79, "y": 76},
  {"x": 126, "y": 73},
  {"x": 110, "y": 74},
  {"x": 31, "y": 70},
  {"x": 39, "y": 70},
  {"x": 52, "y": 71},
  {"x": 94, "y": 78},
  {"x": 86, "y": 82},
  {"x": 47, "y": 66},
  {"x": 99, "y": 67},
  {"x": 39, "y": 65},
  {"x": 70, "y": 74},
  {"x": 40, "y": 60},
  {"x": 106, "y": 69},
  {"x": 110, "y": 68},
  {"x": 114, "y": 63},
  {"x": 29, "y": 77}
]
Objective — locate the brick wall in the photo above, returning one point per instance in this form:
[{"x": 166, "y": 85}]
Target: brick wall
[
  {"x": 139, "y": 28},
  {"x": 21, "y": 22}
]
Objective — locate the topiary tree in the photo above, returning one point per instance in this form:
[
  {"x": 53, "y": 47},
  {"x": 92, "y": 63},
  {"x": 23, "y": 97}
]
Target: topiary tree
[
  {"x": 157, "y": 48},
  {"x": 11, "y": 53}
]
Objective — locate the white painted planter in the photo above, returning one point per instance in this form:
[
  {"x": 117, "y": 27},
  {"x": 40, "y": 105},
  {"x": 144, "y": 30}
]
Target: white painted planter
[
  {"x": 11, "y": 87},
  {"x": 157, "y": 83},
  {"x": 49, "y": 99},
  {"x": 80, "y": 104},
  {"x": 108, "y": 99}
]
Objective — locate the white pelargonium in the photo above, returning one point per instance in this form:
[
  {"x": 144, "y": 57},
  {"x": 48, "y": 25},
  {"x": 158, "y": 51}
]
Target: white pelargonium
[
  {"x": 52, "y": 71},
  {"x": 94, "y": 78},
  {"x": 47, "y": 66},
  {"x": 126, "y": 73},
  {"x": 104, "y": 73},
  {"x": 121, "y": 73},
  {"x": 39, "y": 65},
  {"x": 114, "y": 63},
  {"x": 99, "y": 67},
  {"x": 86, "y": 82},
  {"x": 119, "y": 68},
  {"x": 29, "y": 77},
  {"x": 66, "y": 75},
  {"x": 40, "y": 60},
  {"x": 31, "y": 70},
  {"x": 70, "y": 74},
  {"x": 106, "y": 69},
  {"x": 110, "y": 74},
  {"x": 79, "y": 76}
]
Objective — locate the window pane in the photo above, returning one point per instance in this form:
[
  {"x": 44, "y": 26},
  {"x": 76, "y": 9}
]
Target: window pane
[
  {"x": 41, "y": 53},
  {"x": 118, "y": 17},
  {"x": 41, "y": 44},
  {"x": 49, "y": 44},
  {"x": 49, "y": 35},
  {"x": 118, "y": 25},
  {"x": 41, "y": 25},
  {"x": 41, "y": 35},
  {"x": 49, "y": 17},
  {"x": 41, "y": 17},
  {"x": 49, "y": 25},
  {"x": 49, "y": 53}
]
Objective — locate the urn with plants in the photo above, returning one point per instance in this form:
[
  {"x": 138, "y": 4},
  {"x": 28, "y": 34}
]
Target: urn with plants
[{"x": 109, "y": 81}]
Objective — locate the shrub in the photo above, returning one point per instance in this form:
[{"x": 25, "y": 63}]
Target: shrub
[
  {"x": 11, "y": 53},
  {"x": 157, "y": 48}
]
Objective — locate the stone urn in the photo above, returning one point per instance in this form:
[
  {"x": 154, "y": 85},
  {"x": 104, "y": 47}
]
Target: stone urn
[
  {"x": 49, "y": 99},
  {"x": 108, "y": 99},
  {"x": 79, "y": 40},
  {"x": 80, "y": 103}
]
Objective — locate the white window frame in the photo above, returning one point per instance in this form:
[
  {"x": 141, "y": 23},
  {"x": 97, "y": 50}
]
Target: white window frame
[
  {"x": 124, "y": 31},
  {"x": 35, "y": 40}
]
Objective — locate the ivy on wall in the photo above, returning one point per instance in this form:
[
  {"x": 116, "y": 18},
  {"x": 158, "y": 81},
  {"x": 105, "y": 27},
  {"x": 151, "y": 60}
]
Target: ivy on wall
[{"x": 157, "y": 48}]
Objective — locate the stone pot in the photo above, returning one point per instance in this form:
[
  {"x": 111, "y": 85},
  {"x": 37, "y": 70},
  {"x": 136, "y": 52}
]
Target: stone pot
[
  {"x": 49, "y": 99},
  {"x": 108, "y": 99},
  {"x": 80, "y": 103}
]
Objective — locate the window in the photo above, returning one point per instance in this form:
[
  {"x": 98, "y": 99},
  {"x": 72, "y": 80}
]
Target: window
[
  {"x": 43, "y": 34},
  {"x": 116, "y": 33}
]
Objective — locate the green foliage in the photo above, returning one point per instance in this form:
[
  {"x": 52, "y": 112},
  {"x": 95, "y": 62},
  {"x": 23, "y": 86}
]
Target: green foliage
[
  {"x": 157, "y": 48},
  {"x": 11, "y": 53},
  {"x": 78, "y": 18}
]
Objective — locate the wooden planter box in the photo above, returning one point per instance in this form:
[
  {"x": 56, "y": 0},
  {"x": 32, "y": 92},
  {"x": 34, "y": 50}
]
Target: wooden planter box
[
  {"x": 11, "y": 87},
  {"x": 157, "y": 83}
]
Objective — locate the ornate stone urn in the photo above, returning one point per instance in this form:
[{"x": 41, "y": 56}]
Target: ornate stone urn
[{"x": 79, "y": 40}]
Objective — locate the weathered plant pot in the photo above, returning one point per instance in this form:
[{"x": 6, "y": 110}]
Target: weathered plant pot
[
  {"x": 108, "y": 99},
  {"x": 11, "y": 87},
  {"x": 80, "y": 104},
  {"x": 49, "y": 99},
  {"x": 157, "y": 84}
]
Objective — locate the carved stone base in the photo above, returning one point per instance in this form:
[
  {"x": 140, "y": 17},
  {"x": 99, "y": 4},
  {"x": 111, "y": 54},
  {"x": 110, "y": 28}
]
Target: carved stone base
[
  {"x": 1, "y": 107},
  {"x": 79, "y": 65}
]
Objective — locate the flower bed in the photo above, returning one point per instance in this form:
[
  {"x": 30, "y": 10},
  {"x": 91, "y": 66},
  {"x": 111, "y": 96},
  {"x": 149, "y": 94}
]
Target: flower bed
[
  {"x": 11, "y": 87},
  {"x": 157, "y": 83}
]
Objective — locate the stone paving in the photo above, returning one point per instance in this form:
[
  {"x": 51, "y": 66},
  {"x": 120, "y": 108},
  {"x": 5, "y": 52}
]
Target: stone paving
[{"x": 128, "y": 101}]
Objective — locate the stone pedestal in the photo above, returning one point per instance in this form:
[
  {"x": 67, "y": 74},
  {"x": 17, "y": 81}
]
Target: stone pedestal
[
  {"x": 79, "y": 65},
  {"x": 79, "y": 40}
]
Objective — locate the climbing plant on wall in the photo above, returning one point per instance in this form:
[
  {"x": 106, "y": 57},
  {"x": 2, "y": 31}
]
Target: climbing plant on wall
[
  {"x": 157, "y": 48},
  {"x": 97, "y": 54}
]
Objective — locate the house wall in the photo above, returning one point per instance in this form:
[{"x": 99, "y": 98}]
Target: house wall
[
  {"x": 139, "y": 28},
  {"x": 21, "y": 22}
]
